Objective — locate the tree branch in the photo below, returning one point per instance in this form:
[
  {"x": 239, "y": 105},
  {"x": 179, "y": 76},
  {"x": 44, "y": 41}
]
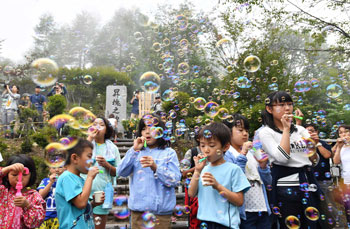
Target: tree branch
[{"x": 321, "y": 20}]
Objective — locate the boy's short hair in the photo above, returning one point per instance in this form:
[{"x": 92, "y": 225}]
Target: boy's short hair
[
  {"x": 238, "y": 119},
  {"x": 218, "y": 131},
  {"x": 111, "y": 116},
  {"x": 312, "y": 125},
  {"x": 78, "y": 149}
]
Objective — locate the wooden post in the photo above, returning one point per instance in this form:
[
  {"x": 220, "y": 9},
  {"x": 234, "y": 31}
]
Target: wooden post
[{"x": 145, "y": 103}]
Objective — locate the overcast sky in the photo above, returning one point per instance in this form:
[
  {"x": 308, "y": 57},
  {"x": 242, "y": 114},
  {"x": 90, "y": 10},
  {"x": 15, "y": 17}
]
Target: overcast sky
[{"x": 19, "y": 17}]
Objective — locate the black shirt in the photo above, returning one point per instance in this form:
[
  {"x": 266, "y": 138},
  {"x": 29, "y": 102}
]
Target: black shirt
[{"x": 323, "y": 166}]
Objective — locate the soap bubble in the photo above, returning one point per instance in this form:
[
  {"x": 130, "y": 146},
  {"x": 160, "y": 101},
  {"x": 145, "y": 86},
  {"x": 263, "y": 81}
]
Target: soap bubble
[
  {"x": 178, "y": 210},
  {"x": 226, "y": 48},
  {"x": 148, "y": 220},
  {"x": 183, "y": 43},
  {"x": 121, "y": 200},
  {"x": 87, "y": 79},
  {"x": 157, "y": 46},
  {"x": 211, "y": 109},
  {"x": 185, "y": 164},
  {"x": 122, "y": 213},
  {"x": 183, "y": 68},
  {"x": 58, "y": 121},
  {"x": 8, "y": 69},
  {"x": 315, "y": 83},
  {"x": 55, "y": 155},
  {"x": 243, "y": 82},
  {"x": 168, "y": 95},
  {"x": 276, "y": 210},
  {"x": 138, "y": 35},
  {"x": 312, "y": 213},
  {"x": 207, "y": 134},
  {"x": 252, "y": 63},
  {"x": 187, "y": 209},
  {"x": 310, "y": 147},
  {"x": 97, "y": 220},
  {"x": 322, "y": 135},
  {"x": 223, "y": 113},
  {"x": 292, "y": 222},
  {"x": 150, "y": 82},
  {"x": 44, "y": 72},
  {"x": 273, "y": 87},
  {"x": 68, "y": 142},
  {"x": 203, "y": 226},
  {"x": 199, "y": 103},
  {"x": 157, "y": 132},
  {"x": 302, "y": 86},
  {"x": 83, "y": 117},
  {"x": 334, "y": 91}
]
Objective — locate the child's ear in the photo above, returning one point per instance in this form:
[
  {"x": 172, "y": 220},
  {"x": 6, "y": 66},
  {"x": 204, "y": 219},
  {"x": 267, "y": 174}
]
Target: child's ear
[
  {"x": 269, "y": 109},
  {"x": 74, "y": 157},
  {"x": 226, "y": 147}
]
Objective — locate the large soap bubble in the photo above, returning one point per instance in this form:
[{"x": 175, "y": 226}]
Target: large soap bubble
[
  {"x": 150, "y": 82},
  {"x": 252, "y": 63},
  {"x": 44, "y": 72}
]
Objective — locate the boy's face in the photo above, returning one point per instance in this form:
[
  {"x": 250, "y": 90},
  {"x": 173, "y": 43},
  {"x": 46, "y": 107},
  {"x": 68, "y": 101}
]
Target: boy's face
[
  {"x": 82, "y": 162},
  {"x": 212, "y": 148},
  {"x": 239, "y": 134},
  {"x": 54, "y": 170}
]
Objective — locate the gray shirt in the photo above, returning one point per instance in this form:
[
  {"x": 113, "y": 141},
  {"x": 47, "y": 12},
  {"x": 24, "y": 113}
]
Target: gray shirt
[{"x": 12, "y": 101}]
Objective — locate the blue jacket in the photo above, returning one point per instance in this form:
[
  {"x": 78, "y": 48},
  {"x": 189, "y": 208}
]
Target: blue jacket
[
  {"x": 265, "y": 175},
  {"x": 149, "y": 191}
]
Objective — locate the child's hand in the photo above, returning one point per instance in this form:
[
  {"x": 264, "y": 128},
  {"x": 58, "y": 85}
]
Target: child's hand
[
  {"x": 94, "y": 204},
  {"x": 246, "y": 146},
  {"x": 138, "y": 143},
  {"x": 53, "y": 177},
  {"x": 286, "y": 121},
  {"x": 101, "y": 161},
  {"x": 21, "y": 201},
  {"x": 199, "y": 165},
  {"x": 93, "y": 171},
  {"x": 210, "y": 180},
  {"x": 147, "y": 161},
  {"x": 17, "y": 167},
  {"x": 92, "y": 135}
]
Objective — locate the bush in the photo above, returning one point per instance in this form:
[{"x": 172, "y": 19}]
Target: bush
[
  {"x": 56, "y": 105},
  {"x": 26, "y": 146}
]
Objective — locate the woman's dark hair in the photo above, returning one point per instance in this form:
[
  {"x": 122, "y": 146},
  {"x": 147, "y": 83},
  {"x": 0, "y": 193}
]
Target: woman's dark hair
[
  {"x": 311, "y": 125},
  {"x": 27, "y": 162},
  {"x": 218, "y": 131},
  {"x": 272, "y": 98},
  {"x": 78, "y": 149},
  {"x": 347, "y": 127},
  {"x": 16, "y": 87},
  {"x": 162, "y": 144},
  {"x": 109, "y": 128},
  {"x": 238, "y": 120}
]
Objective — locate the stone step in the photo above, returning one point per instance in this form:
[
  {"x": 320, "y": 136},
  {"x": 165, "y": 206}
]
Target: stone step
[
  {"x": 125, "y": 140},
  {"x": 178, "y": 224},
  {"x": 124, "y": 144}
]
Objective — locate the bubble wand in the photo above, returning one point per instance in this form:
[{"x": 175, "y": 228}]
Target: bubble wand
[
  {"x": 298, "y": 117},
  {"x": 203, "y": 159},
  {"x": 18, "y": 210}
]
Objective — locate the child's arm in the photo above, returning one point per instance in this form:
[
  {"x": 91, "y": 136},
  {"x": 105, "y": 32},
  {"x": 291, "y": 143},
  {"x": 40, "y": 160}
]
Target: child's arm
[
  {"x": 81, "y": 200},
  {"x": 193, "y": 188},
  {"x": 45, "y": 191},
  {"x": 18, "y": 167},
  {"x": 167, "y": 170},
  {"x": 126, "y": 166},
  {"x": 34, "y": 213}
]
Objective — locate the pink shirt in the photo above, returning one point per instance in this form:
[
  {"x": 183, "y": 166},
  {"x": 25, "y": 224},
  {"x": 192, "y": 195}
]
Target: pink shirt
[{"x": 33, "y": 215}]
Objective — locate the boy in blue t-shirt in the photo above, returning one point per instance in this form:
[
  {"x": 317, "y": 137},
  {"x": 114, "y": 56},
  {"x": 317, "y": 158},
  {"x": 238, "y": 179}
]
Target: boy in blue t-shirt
[
  {"x": 47, "y": 190},
  {"x": 220, "y": 185},
  {"x": 74, "y": 209}
]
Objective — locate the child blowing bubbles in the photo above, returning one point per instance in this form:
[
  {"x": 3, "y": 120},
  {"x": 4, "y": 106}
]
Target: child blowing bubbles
[
  {"x": 72, "y": 194},
  {"x": 220, "y": 180},
  {"x": 154, "y": 171},
  {"x": 31, "y": 202},
  {"x": 47, "y": 190}
]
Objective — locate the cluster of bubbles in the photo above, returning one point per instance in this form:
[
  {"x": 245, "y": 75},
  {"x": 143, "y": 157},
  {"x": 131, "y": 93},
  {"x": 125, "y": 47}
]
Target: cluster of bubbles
[{"x": 77, "y": 118}]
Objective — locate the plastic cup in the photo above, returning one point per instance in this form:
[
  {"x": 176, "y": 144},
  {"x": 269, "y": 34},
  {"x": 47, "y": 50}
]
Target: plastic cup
[
  {"x": 98, "y": 196},
  {"x": 203, "y": 182}
]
